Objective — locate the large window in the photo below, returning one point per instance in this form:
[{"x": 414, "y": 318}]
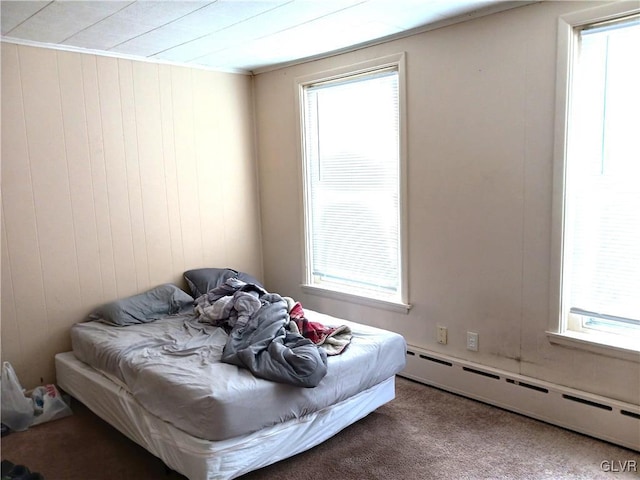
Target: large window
[
  {"x": 600, "y": 271},
  {"x": 351, "y": 136}
]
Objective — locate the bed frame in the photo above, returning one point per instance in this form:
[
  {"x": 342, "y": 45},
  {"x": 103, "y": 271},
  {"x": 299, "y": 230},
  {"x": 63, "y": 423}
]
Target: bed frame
[{"x": 200, "y": 459}]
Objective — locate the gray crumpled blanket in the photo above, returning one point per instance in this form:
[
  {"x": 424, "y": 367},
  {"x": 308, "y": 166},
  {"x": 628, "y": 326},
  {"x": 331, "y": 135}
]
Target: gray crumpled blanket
[{"x": 258, "y": 338}]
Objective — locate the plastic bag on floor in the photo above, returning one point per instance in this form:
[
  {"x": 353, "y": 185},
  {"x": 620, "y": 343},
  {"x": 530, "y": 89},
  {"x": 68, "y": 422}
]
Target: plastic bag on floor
[
  {"x": 17, "y": 409},
  {"x": 48, "y": 404}
]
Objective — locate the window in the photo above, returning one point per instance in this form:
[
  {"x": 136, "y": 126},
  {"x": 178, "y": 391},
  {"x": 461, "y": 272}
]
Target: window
[
  {"x": 600, "y": 237},
  {"x": 353, "y": 177}
]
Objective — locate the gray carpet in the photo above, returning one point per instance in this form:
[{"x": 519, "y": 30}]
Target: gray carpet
[{"x": 423, "y": 434}]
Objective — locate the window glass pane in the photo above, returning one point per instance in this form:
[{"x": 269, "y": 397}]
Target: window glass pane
[
  {"x": 602, "y": 250},
  {"x": 352, "y": 155}
]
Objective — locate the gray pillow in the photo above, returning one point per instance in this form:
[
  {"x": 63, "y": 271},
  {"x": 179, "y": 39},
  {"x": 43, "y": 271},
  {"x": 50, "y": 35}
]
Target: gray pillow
[
  {"x": 145, "y": 307},
  {"x": 201, "y": 280}
]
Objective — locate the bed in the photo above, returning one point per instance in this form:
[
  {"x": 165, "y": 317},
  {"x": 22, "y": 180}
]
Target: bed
[{"x": 166, "y": 380}]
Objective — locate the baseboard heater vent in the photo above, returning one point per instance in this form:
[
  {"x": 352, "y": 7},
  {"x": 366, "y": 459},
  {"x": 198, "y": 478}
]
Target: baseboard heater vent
[
  {"x": 630, "y": 414},
  {"x": 601, "y": 417},
  {"x": 436, "y": 360},
  {"x": 587, "y": 402},
  {"x": 528, "y": 385},
  {"x": 481, "y": 372}
]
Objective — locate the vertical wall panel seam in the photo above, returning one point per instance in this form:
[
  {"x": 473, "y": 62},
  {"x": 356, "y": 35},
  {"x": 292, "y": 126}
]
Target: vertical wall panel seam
[
  {"x": 13, "y": 288},
  {"x": 175, "y": 157},
  {"x": 6, "y": 237},
  {"x": 225, "y": 224},
  {"x": 256, "y": 171},
  {"x": 106, "y": 179},
  {"x": 126, "y": 163},
  {"x": 144, "y": 220},
  {"x": 523, "y": 224},
  {"x": 164, "y": 169},
  {"x": 93, "y": 186},
  {"x": 33, "y": 196},
  {"x": 66, "y": 158},
  {"x": 195, "y": 153}
]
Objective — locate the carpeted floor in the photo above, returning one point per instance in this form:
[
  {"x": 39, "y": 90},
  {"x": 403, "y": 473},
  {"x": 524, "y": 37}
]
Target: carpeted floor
[{"x": 423, "y": 434}]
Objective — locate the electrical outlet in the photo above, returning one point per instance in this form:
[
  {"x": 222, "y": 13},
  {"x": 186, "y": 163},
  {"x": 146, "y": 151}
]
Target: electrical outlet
[
  {"x": 442, "y": 335},
  {"x": 472, "y": 341}
]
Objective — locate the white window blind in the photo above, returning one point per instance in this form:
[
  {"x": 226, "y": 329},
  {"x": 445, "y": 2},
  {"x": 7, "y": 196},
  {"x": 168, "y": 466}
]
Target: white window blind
[
  {"x": 602, "y": 236},
  {"x": 352, "y": 165}
]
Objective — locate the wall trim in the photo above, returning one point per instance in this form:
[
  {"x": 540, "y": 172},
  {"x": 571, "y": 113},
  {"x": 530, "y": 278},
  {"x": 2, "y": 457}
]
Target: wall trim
[{"x": 124, "y": 56}]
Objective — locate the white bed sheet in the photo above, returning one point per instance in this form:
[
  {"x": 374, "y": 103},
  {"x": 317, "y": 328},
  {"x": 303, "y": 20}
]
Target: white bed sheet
[
  {"x": 200, "y": 459},
  {"x": 175, "y": 373}
]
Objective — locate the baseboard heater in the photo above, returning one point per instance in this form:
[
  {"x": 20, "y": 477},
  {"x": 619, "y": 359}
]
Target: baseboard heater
[{"x": 600, "y": 417}]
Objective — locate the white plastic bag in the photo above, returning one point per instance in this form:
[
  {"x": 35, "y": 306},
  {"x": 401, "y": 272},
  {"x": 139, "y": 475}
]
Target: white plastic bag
[
  {"x": 48, "y": 404},
  {"x": 17, "y": 409}
]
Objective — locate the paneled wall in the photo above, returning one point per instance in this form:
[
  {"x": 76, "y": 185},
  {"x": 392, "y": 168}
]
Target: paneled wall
[{"x": 116, "y": 176}]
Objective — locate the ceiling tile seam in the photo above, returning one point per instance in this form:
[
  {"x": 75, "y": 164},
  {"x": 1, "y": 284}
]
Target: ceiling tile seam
[
  {"x": 246, "y": 41},
  {"x": 29, "y": 17},
  {"x": 162, "y": 26},
  {"x": 220, "y": 30},
  {"x": 96, "y": 23}
]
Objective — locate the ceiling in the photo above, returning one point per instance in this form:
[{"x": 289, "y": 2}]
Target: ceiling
[{"x": 230, "y": 35}]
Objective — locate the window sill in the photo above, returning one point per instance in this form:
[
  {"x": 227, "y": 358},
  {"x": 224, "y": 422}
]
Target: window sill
[
  {"x": 351, "y": 297},
  {"x": 623, "y": 348}
]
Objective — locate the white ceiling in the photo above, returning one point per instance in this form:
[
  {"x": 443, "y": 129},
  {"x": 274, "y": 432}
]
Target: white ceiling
[{"x": 231, "y": 35}]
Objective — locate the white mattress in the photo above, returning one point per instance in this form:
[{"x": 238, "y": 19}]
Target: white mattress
[
  {"x": 200, "y": 459},
  {"x": 172, "y": 368}
]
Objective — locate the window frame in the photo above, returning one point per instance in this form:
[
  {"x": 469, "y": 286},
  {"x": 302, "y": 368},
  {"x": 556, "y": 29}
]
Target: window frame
[
  {"x": 401, "y": 303},
  {"x": 559, "y": 329}
]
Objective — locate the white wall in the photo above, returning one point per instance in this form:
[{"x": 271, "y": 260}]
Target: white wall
[
  {"x": 117, "y": 176},
  {"x": 480, "y": 107}
]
